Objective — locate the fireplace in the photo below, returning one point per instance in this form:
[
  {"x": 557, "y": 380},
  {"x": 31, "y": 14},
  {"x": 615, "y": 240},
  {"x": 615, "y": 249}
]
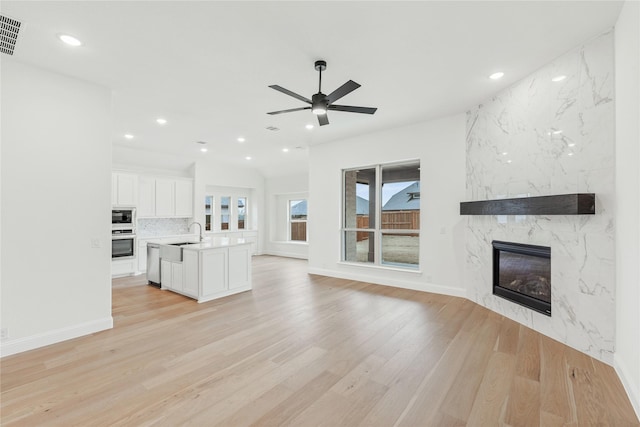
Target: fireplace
[{"x": 522, "y": 274}]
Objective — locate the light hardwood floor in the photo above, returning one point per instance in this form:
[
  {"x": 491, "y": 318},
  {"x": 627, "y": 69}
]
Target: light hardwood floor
[{"x": 306, "y": 350}]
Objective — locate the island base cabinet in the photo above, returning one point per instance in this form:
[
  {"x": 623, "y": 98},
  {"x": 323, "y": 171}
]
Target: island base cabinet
[
  {"x": 215, "y": 273},
  {"x": 240, "y": 266},
  {"x": 191, "y": 280}
]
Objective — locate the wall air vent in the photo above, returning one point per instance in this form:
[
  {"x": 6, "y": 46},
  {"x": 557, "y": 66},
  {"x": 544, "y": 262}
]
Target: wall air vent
[{"x": 9, "y": 29}]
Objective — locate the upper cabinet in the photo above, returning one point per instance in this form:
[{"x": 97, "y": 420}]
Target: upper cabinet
[
  {"x": 124, "y": 189},
  {"x": 184, "y": 198},
  {"x": 165, "y": 197}
]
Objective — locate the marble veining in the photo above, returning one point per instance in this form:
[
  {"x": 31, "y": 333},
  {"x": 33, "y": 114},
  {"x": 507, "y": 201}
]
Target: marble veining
[
  {"x": 153, "y": 227},
  {"x": 536, "y": 138}
]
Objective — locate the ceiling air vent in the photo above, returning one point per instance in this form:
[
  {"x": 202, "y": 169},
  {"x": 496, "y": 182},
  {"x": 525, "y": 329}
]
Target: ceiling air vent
[
  {"x": 273, "y": 128},
  {"x": 8, "y": 34}
]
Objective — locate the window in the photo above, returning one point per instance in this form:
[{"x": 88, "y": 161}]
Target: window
[
  {"x": 208, "y": 212},
  {"x": 298, "y": 220},
  {"x": 226, "y": 212},
  {"x": 225, "y": 204},
  {"x": 381, "y": 218},
  {"x": 242, "y": 212}
]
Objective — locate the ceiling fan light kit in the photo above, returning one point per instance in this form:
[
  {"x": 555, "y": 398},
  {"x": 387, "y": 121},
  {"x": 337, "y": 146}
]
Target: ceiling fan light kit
[{"x": 321, "y": 103}]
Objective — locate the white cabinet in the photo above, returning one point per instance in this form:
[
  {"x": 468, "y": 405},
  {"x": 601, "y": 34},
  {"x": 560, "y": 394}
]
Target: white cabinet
[
  {"x": 124, "y": 189},
  {"x": 239, "y": 266},
  {"x": 216, "y": 272},
  {"x": 147, "y": 199},
  {"x": 142, "y": 256},
  {"x": 123, "y": 267},
  {"x": 171, "y": 275},
  {"x": 165, "y": 197},
  {"x": 184, "y": 198}
]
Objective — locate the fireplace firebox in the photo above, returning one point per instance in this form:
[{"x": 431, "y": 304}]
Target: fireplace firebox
[{"x": 522, "y": 274}]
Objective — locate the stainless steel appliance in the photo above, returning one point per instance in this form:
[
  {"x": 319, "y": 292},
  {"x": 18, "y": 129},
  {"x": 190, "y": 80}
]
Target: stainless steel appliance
[
  {"x": 123, "y": 218},
  {"x": 153, "y": 264},
  {"x": 123, "y": 243}
]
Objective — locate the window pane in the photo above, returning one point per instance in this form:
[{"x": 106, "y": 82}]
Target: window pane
[
  {"x": 359, "y": 246},
  {"x": 297, "y": 210},
  {"x": 401, "y": 250},
  {"x": 401, "y": 196},
  {"x": 224, "y": 212},
  {"x": 360, "y": 198},
  {"x": 242, "y": 212},
  {"x": 299, "y": 231},
  {"x": 208, "y": 212}
]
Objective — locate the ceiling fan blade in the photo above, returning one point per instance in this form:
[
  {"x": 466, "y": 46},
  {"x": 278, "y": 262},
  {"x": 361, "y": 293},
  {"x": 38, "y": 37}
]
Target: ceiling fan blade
[
  {"x": 289, "y": 111},
  {"x": 288, "y": 92},
  {"x": 350, "y": 109},
  {"x": 323, "y": 119},
  {"x": 343, "y": 90}
]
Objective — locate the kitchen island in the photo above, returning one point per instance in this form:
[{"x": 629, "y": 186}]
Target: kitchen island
[{"x": 209, "y": 270}]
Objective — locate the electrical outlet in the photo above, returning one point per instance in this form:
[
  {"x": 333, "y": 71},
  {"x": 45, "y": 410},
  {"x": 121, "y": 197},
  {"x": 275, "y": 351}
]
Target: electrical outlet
[{"x": 4, "y": 333}]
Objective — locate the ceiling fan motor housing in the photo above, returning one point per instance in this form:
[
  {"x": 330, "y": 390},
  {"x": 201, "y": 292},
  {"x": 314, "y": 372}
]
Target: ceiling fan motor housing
[
  {"x": 321, "y": 65},
  {"x": 319, "y": 101}
]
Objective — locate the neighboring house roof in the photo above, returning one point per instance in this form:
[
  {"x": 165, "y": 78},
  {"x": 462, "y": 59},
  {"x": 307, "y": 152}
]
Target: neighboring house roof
[
  {"x": 362, "y": 206},
  {"x": 407, "y": 199},
  {"x": 299, "y": 208}
]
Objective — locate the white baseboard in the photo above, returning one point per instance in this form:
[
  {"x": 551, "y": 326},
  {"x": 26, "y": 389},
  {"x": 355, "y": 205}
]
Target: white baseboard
[
  {"x": 632, "y": 387},
  {"x": 424, "y": 287},
  {"x": 286, "y": 254},
  {"x": 18, "y": 345}
]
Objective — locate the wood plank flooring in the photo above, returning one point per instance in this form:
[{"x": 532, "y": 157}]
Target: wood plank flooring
[{"x": 306, "y": 350}]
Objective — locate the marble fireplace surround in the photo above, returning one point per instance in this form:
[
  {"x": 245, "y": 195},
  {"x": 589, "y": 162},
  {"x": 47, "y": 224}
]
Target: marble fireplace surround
[{"x": 538, "y": 138}]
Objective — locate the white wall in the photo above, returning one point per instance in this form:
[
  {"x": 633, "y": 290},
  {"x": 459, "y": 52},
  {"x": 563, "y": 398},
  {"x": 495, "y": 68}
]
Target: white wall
[
  {"x": 439, "y": 144},
  {"x": 278, "y": 191},
  {"x": 56, "y": 195},
  {"x": 627, "y": 47}
]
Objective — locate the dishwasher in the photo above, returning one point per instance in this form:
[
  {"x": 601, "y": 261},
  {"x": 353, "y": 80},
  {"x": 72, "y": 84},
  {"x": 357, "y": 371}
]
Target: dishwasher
[{"x": 153, "y": 264}]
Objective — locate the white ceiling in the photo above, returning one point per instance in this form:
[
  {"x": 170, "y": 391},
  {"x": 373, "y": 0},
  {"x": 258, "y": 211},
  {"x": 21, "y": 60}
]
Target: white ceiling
[{"x": 206, "y": 66}]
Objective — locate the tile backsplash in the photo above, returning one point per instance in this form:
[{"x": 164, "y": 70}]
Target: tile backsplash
[{"x": 156, "y": 227}]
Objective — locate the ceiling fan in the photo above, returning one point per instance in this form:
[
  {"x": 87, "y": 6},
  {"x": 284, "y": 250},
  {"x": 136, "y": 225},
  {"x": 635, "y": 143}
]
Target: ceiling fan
[{"x": 321, "y": 103}]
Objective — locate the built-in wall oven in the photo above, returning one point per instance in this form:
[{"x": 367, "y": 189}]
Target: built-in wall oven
[
  {"x": 123, "y": 217},
  {"x": 123, "y": 243}
]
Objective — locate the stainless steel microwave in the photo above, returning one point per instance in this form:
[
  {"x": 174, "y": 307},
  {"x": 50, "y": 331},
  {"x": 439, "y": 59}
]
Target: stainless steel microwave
[{"x": 123, "y": 217}]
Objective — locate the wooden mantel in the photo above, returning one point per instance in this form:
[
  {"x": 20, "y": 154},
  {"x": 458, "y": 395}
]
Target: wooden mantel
[{"x": 561, "y": 204}]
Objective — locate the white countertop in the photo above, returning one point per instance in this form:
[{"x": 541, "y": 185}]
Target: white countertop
[{"x": 216, "y": 242}]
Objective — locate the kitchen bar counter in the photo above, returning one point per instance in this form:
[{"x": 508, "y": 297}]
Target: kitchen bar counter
[
  {"x": 215, "y": 268},
  {"x": 216, "y": 242}
]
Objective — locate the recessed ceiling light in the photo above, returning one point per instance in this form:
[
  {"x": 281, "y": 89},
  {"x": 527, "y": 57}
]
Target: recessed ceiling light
[
  {"x": 309, "y": 126},
  {"x": 573, "y": 144},
  {"x": 204, "y": 149},
  {"x": 128, "y": 136},
  {"x": 570, "y": 154},
  {"x": 504, "y": 153},
  {"x": 558, "y": 78},
  {"x": 241, "y": 139},
  {"x": 285, "y": 150},
  {"x": 70, "y": 40},
  {"x": 496, "y": 76},
  {"x": 248, "y": 158},
  {"x": 508, "y": 161},
  {"x": 161, "y": 121},
  {"x": 556, "y": 132}
]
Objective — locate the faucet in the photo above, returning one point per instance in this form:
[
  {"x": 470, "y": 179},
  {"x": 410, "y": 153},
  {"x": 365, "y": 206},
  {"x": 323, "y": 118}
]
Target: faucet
[{"x": 199, "y": 225}]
